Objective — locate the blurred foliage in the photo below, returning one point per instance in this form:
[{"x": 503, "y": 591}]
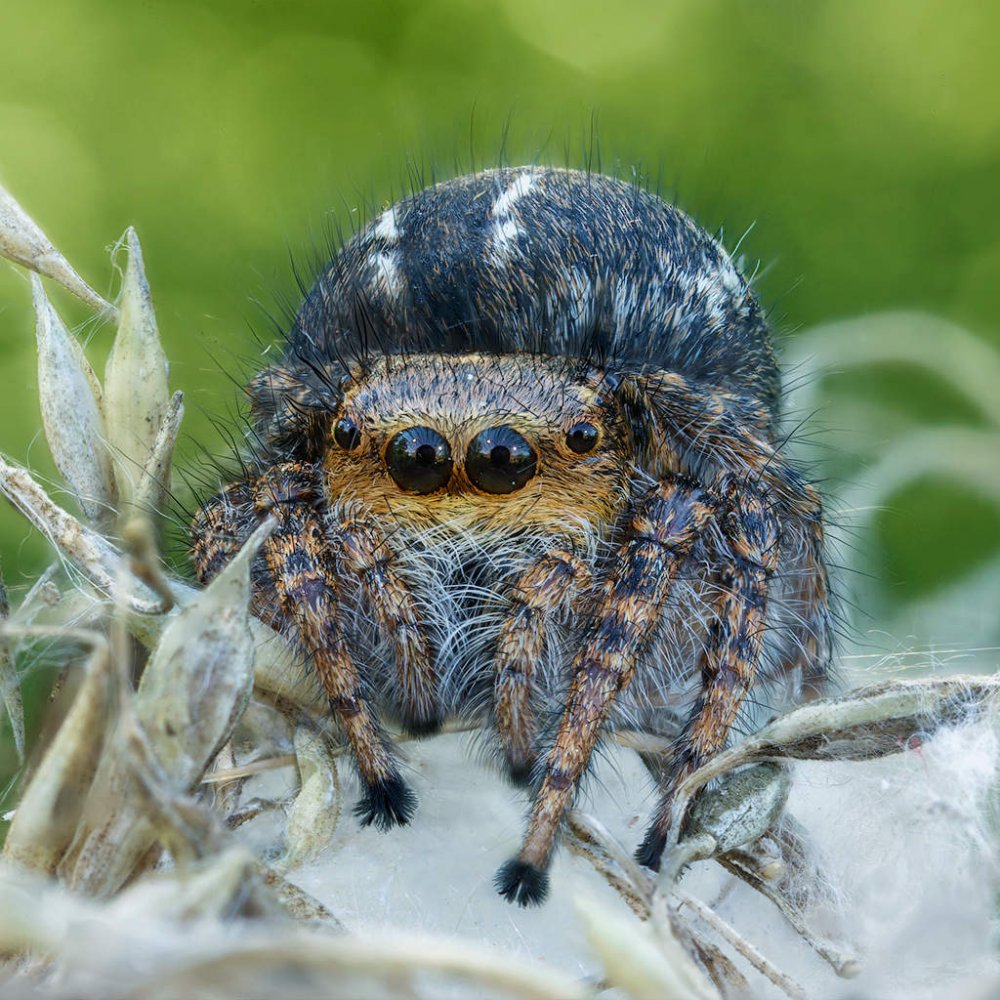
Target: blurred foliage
[{"x": 861, "y": 141}]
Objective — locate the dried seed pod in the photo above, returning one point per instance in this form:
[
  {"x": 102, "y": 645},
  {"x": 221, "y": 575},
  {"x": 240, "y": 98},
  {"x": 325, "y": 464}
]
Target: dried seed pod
[
  {"x": 50, "y": 807},
  {"x": 216, "y": 888},
  {"x": 312, "y": 820},
  {"x": 741, "y": 808},
  {"x": 155, "y": 482},
  {"x": 866, "y": 724},
  {"x": 24, "y": 243},
  {"x": 193, "y": 690},
  {"x": 10, "y": 683},
  {"x": 136, "y": 396},
  {"x": 199, "y": 679},
  {"x": 71, "y": 412},
  {"x": 86, "y": 549}
]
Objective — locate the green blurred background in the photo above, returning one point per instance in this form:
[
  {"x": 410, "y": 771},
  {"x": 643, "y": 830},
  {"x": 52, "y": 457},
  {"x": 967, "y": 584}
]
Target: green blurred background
[{"x": 861, "y": 140}]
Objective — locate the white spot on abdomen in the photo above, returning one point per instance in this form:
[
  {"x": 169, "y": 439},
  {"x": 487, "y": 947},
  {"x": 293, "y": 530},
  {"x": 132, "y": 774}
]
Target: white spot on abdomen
[
  {"x": 388, "y": 277},
  {"x": 505, "y": 228},
  {"x": 516, "y": 190},
  {"x": 386, "y": 228}
]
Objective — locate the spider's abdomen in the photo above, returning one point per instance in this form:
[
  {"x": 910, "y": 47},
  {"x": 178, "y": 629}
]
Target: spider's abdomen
[{"x": 555, "y": 262}]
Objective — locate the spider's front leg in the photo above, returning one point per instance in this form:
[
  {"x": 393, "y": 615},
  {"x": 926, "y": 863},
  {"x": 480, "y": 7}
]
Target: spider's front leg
[
  {"x": 623, "y": 623},
  {"x": 304, "y": 574},
  {"x": 541, "y": 591},
  {"x": 733, "y": 647}
]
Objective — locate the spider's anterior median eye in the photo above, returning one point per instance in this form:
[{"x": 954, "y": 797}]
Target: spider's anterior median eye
[
  {"x": 581, "y": 437},
  {"x": 500, "y": 460},
  {"x": 346, "y": 434},
  {"x": 419, "y": 459}
]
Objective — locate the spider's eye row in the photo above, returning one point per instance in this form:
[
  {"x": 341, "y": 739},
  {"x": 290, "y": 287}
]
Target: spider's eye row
[
  {"x": 499, "y": 460},
  {"x": 346, "y": 434},
  {"x": 419, "y": 460},
  {"x": 582, "y": 437}
]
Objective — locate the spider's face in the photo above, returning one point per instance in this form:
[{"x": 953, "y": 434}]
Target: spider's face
[{"x": 479, "y": 441}]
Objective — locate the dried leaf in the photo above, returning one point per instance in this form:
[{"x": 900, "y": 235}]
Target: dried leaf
[
  {"x": 71, "y": 412},
  {"x": 24, "y": 243},
  {"x": 136, "y": 396}
]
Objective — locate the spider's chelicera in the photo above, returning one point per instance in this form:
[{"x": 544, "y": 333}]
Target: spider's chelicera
[{"x": 523, "y": 454}]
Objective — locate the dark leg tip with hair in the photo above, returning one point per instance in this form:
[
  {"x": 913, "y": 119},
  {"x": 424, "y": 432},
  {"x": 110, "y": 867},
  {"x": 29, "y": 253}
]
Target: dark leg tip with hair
[
  {"x": 650, "y": 852},
  {"x": 420, "y": 726},
  {"x": 522, "y": 883},
  {"x": 386, "y": 804},
  {"x": 520, "y": 773}
]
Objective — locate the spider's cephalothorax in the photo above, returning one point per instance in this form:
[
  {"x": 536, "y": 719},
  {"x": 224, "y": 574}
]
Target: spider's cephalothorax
[{"x": 522, "y": 455}]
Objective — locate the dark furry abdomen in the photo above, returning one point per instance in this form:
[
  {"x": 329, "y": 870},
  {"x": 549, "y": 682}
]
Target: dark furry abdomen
[{"x": 549, "y": 261}]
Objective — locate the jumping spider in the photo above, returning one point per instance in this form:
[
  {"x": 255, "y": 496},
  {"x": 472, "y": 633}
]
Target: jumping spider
[{"x": 523, "y": 454}]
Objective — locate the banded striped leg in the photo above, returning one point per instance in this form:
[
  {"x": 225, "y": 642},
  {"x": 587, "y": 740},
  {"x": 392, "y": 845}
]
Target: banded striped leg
[
  {"x": 304, "y": 574},
  {"x": 630, "y": 605},
  {"x": 542, "y": 590},
  {"x": 220, "y": 528},
  {"x": 732, "y": 430},
  {"x": 810, "y": 644},
  {"x": 733, "y": 652},
  {"x": 367, "y": 554}
]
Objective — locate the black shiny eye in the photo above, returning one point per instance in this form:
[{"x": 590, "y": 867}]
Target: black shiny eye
[
  {"x": 581, "y": 437},
  {"x": 419, "y": 459},
  {"x": 499, "y": 460},
  {"x": 346, "y": 434}
]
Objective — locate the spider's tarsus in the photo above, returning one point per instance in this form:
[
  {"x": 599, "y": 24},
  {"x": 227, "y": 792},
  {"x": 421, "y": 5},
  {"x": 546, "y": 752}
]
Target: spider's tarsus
[
  {"x": 386, "y": 804},
  {"x": 522, "y": 883},
  {"x": 649, "y": 853},
  {"x": 520, "y": 774},
  {"x": 418, "y": 727}
]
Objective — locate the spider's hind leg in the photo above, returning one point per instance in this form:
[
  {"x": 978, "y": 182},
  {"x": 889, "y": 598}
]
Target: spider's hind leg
[{"x": 733, "y": 650}]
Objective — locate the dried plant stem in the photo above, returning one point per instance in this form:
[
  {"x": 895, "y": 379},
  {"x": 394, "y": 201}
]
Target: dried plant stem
[
  {"x": 740, "y": 943},
  {"x": 246, "y": 770},
  {"x": 388, "y": 960},
  {"x": 843, "y": 963}
]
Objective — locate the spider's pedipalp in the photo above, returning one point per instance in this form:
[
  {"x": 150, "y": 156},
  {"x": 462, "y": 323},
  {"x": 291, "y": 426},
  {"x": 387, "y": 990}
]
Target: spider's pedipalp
[
  {"x": 366, "y": 553},
  {"x": 541, "y": 591},
  {"x": 628, "y": 610},
  {"x": 729, "y": 665},
  {"x": 809, "y": 647}
]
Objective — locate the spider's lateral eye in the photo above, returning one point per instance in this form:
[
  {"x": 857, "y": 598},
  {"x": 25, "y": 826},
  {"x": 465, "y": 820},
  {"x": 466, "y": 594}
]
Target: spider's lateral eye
[
  {"x": 346, "y": 434},
  {"x": 419, "y": 460},
  {"x": 582, "y": 437},
  {"x": 499, "y": 460}
]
